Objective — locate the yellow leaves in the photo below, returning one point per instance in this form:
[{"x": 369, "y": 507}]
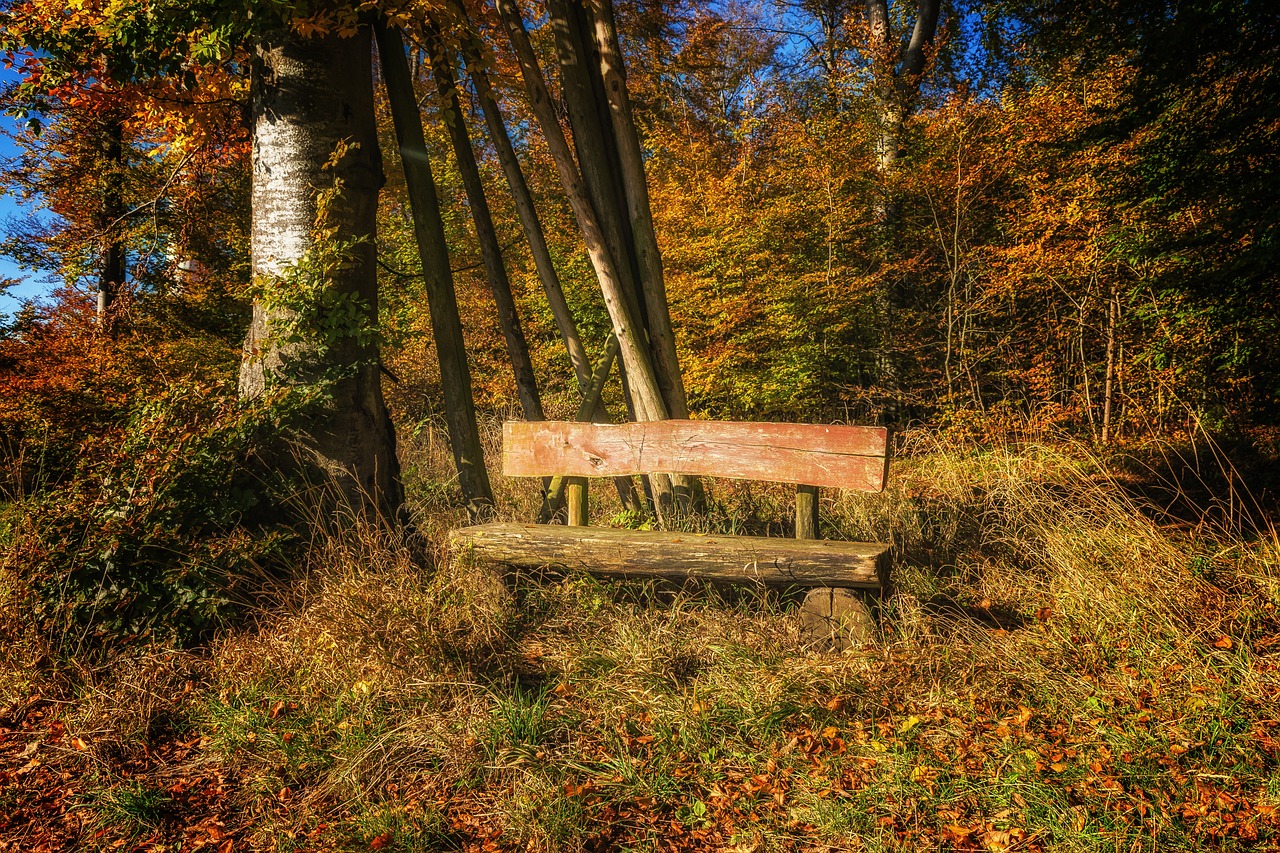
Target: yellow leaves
[
  {"x": 319, "y": 24},
  {"x": 998, "y": 840},
  {"x": 908, "y": 724},
  {"x": 956, "y": 833},
  {"x": 343, "y": 22}
]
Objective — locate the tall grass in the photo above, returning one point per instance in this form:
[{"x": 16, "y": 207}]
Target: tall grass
[{"x": 1056, "y": 669}]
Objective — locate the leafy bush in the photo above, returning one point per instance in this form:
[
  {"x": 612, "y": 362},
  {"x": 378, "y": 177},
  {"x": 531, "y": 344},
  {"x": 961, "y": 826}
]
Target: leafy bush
[{"x": 163, "y": 529}]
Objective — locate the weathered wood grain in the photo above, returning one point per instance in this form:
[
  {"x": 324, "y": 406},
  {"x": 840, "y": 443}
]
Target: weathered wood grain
[
  {"x": 806, "y": 512},
  {"x": 837, "y": 456},
  {"x": 677, "y": 556}
]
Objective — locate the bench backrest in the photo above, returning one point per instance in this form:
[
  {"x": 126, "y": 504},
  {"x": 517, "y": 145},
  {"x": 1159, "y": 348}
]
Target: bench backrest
[{"x": 846, "y": 457}]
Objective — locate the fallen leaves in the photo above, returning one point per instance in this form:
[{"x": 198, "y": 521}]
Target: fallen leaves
[{"x": 45, "y": 800}]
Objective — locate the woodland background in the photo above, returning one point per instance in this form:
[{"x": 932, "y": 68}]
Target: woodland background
[{"x": 1058, "y": 284}]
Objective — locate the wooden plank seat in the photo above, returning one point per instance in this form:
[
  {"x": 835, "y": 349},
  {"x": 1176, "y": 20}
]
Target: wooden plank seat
[
  {"x": 678, "y": 556},
  {"x": 809, "y": 455}
]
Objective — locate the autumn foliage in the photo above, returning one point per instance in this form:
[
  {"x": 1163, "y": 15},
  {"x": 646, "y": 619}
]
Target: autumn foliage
[{"x": 1048, "y": 259}]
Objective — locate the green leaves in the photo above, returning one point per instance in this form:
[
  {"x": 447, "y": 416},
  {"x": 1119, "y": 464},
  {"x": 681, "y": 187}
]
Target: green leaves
[{"x": 151, "y": 537}]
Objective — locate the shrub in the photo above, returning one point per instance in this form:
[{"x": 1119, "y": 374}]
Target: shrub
[{"x": 163, "y": 529}]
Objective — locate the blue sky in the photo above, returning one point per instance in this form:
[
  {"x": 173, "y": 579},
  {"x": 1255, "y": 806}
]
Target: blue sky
[{"x": 30, "y": 287}]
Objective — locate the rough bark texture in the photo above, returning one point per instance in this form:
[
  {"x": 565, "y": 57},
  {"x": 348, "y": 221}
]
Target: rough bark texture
[
  {"x": 428, "y": 229},
  {"x": 487, "y": 235},
  {"x": 312, "y": 96},
  {"x": 650, "y": 553}
]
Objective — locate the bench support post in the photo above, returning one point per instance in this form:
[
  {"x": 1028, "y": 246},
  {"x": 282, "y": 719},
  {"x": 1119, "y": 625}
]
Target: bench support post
[
  {"x": 837, "y": 617},
  {"x": 807, "y": 512},
  {"x": 576, "y": 491}
]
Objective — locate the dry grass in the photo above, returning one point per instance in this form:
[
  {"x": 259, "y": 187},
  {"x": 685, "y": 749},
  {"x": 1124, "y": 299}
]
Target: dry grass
[{"x": 1056, "y": 671}]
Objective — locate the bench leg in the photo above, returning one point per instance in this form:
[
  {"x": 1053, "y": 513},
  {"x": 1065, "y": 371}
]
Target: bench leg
[
  {"x": 839, "y": 616},
  {"x": 806, "y": 512},
  {"x": 576, "y": 492}
]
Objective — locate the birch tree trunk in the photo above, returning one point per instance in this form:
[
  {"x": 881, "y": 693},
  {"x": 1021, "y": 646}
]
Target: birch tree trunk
[{"x": 313, "y": 125}]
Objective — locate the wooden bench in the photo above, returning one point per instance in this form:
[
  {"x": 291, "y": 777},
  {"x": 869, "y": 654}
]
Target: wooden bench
[{"x": 811, "y": 456}]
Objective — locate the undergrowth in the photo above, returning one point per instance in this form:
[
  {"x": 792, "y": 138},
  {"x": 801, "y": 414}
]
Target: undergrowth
[{"x": 1057, "y": 669}]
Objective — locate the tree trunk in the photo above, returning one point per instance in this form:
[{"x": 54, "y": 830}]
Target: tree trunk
[
  {"x": 649, "y": 259},
  {"x": 542, "y": 262},
  {"x": 486, "y": 234},
  {"x": 619, "y": 301},
  {"x": 594, "y": 142},
  {"x": 314, "y": 126},
  {"x": 112, "y": 272},
  {"x": 620, "y": 295},
  {"x": 1108, "y": 388},
  {"x": 897, "y": 65},
  {"x": 530, "y": 222},
  {"x": 428, "y": 229}
]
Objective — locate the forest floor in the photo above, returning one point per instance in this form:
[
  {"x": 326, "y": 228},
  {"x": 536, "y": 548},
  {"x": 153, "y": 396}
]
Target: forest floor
[{"x": 1076, "y": 656}]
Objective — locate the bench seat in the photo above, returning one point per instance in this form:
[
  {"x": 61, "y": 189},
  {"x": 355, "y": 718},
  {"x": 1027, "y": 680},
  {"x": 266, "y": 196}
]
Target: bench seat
[{"x": 677, "y": 556}]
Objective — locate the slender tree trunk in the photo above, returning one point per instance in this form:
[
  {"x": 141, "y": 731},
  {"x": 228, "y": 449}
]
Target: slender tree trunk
[
  {"x": 530, "y": 222},
  {"x": 1108, "y": 388},
  {"x": 1084, "y": 365},
  {"x": 428, "y": 230},
  {"x": 490, "y": 248},
  {"x": 897, "y": 65},
  {"x": 313, "y": 108},
  {"x": 112, "y": 273},
  {"x": 594, "y": 142},
  {"x": 609, "y": 153},
  {"x": 620, "y": 295},
  {"x": 649, "y": 259},
  {"x": 619, "y": 300},
  {"x": 538, "y": 247}
]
